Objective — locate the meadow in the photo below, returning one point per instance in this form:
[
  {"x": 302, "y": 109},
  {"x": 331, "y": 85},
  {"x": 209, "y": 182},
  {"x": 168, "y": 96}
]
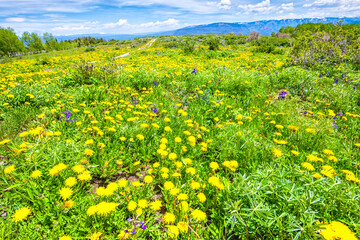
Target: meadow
[{"x": 193, "y": 137}]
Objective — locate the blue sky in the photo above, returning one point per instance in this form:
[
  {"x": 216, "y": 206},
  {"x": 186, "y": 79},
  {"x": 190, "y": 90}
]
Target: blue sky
[{"x": 66, "y": 17}]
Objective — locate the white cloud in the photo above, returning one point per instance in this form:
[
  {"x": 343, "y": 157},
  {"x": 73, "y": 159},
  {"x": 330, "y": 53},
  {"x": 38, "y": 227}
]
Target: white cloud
[
  {"x": 287, "y": 6},
  {"x": 223, "y": 4},
  {"x": 263, "y": 6},
  {"x": 119, "y": 23},
  {"x": 195, "y": 6},
  {"x": 170, "y": 22},
  {"x": 15, "y": 19},
  {"x": 266, "y": 7},
  {"x": 321, "y": 3},
  {"x": 333, "y": 8}
]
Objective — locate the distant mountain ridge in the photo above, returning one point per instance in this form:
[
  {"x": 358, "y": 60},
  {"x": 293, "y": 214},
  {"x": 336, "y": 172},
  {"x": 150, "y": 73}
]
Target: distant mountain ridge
[{"x": 264, "y": 27}]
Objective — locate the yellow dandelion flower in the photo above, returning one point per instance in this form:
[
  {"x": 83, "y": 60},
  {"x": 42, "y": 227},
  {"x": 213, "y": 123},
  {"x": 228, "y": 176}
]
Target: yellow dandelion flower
[
  {"x": 328, "y": 171},
  {"x": 132, "y": 206},
  {"x": 182, "y": 197},
  {"x": 104, "y": 208},
  {"x": 308, "y": 166},
  {"x": 65, "y": 238},
  {"x": 123, "y": 183},
  {"x": 332, "y": 158},
  {"x": 36, "y": 174},
  {"x": 328, "y": 152},
  {"x": 139, "y": 211},
  {"x": 214, "y": 165},
  {"x": 65, "y": 192},
  {"x": 156, "y": 206},
  {"x": 91, "y": 210},
  {"x": 277, "y": 152},
  {"x": 191, "y": 170},
  {"x": 178, "y": 164},
  {"x": 140, "y": 137},
  {"x": 295, "y": 152},
  {"x": 168, "y": 185},
  {"x": 169, "y": 218},
  {"x": 172, "y": 156},
  {"x": 78, "y": 169},
  {"x": 317, "y": 175},
  {"x": 195, "y": 185},
  {"x": 336, "y": 230},
  {"x": 143, "y": 203},
  {"x": 174, "y": 191},
  {"x": 95, "y": 236},
  {"x": 173, "y": 231},
  {"x": 84, "y": 177},
  {"x": 232, "y": 165},
  {"x": 88, "y": 152},
  {"x": 183, "y": 227},
  {"x": 89, "y": 142},
  {"x": 148, "y": 179},
  {"x": 201, "y": 197},
  {"x": 184, "y": 206},
  {"x": 71, "y": 181},
  {"x": 198, "y": 215},
  {"x": 68, "y": 204},
  {"x": 136, "y": 184},
  {"x": 124, "y": 235},
  {"x": 9, "y": 169},
  {"x": 21, "y": 214},
  {"x": 310, "y": 130}
]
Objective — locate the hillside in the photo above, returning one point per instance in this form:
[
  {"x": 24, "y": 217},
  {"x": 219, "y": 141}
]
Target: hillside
[{"x": 265, "y": 28}]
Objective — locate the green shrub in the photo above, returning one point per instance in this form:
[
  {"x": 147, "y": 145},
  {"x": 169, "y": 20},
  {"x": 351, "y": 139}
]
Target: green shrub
[{"x": 213, "y": 43}]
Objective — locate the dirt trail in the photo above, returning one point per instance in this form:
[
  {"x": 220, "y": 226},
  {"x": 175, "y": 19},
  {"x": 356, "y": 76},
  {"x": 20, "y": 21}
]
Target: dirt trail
[
  {"x": 128, "y": 53},
  {"x": 141, "y": 48}
]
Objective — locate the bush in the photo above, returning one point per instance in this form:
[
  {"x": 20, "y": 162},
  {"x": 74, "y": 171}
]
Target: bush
[
  {"x": 253, "y": 36},
  {"x": 189, "y": 47},
  {"x": 213, "y": 43},
  {"x": 90, "y": 49}
]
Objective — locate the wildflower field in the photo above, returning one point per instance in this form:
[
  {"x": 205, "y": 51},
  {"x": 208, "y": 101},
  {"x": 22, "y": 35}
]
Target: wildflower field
[{"x": 166, "y": 143}]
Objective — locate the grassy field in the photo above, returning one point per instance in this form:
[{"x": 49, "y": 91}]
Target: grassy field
[{"x": 175, "y": 142}]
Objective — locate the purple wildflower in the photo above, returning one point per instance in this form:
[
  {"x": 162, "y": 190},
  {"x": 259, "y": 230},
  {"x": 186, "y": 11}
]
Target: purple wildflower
[
  {"x": 155, "y": 83},
  {"x": 282, "y": 94},
  {"x": 133, "y": 99},
  {"x": 67, "y": 116},
  {"x": 154, "y": 109},
  {"x": 194, "y": 71},
  {"x": 135, "y": 224}
]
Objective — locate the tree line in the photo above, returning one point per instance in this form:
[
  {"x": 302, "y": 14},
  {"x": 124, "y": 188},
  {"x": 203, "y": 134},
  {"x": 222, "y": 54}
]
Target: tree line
[
  {"x": 11, "y": 44},
  {"x": 325, "y": 44}
]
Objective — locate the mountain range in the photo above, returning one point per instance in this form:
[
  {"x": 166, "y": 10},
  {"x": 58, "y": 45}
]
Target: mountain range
[{"x": 264, "y": 27}]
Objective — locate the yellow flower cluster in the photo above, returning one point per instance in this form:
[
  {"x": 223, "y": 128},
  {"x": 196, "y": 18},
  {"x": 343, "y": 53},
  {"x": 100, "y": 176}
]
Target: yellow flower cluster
[
  {"x": 336, "y": 230},
  {"x": 102, "y": 208}
]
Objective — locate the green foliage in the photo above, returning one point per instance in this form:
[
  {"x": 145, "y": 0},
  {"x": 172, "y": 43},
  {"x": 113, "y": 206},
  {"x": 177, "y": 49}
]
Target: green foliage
[
  {"x": 229, "y": 101},
  {"x": 9, "y": 42},
  {"x": 272, "y": 45},
  {"x": 33, "y": 42},
  {"x": 213, "y": 43},
  {"x": 90, "y": 49},
  {"x": 331, "y": 48},
  {"x": 50, "y": 42},
  {"x": 189, "y": 47}
]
